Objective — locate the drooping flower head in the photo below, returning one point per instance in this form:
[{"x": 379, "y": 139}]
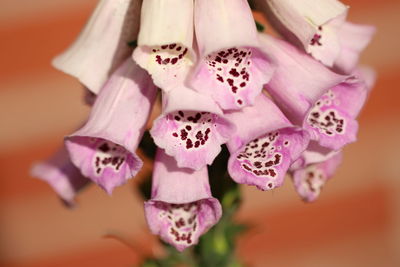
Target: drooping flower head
[
  {"x": 181, "y": 207},
  {"x": 104, "y": 148}
]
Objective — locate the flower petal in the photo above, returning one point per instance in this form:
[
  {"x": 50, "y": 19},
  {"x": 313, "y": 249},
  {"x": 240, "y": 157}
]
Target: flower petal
[
  {"x": 311, "y": 24},
  {"x": 191, "y": 128},
  {"x": 181, "y": 208},
  {"x": 231, "y": 68},
  {"x": 354, "y": 38},
  {"x": 59, "y": 172},
  {"x": 103, "y": 44},
  {"x": 310, "y": 179},
  {"x": 104, "y": 149},
  {"x": 165, "y": 41},
  {"x": 264, "y": 145}
]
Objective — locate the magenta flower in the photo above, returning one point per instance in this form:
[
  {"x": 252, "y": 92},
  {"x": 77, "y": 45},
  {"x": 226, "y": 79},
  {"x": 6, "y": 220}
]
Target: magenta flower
[
  {"x": 104, "y": 148},
  {"x": 264, "y": 146},
  {"x": 231, "y": 68},
  {"x": 181, "y": 208},
  {"x": 103, "y": 44},
  {"x": 59, "y": 172}
]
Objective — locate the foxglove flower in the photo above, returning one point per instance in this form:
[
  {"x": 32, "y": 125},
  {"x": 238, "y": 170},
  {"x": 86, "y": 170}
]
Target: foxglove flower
[
  {"x": 181, "y": 208},
  {"x": 59, "y": 172},
  {"x": 264, "y": 145},
  {"x": 321, "y": 101},
  {"x": 312, "y": 24},
  {"x": 354, "y": 38},
  {"x": 231, "y": 68},
  {"x": 103, "y": 44},
  {"x": 191, "y": 128},
  {"x": 104, "y": 148},
  {"x": 165, "y": 42},
  {"x": 312, "y": 171}
]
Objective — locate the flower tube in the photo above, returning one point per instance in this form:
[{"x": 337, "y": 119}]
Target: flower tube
[
  {"x": 321, "y": 101},
  {"x": 310, "y": 24},
  {"x": 191, "y": 128},
  {"x": 104, "y": 148},
  {"x": 59, "y": 172},
  {"x": 181, "y": 207},
  {"x": 231, "y": 68},
  {"x": 103, "y": 44},
  {"x": 264, "y": 145},
  {"x": 165, "y": 41}
]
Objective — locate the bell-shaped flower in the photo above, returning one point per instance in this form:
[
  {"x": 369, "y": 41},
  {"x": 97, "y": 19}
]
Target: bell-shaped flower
[
  {"x": 264, "y": 145},
  {"x": 165, "y": 41},
  {"x": 312, "y": 170},
  {"x": 311, "y": 24},
  {"x": 191, "y": 128},
  {"x": 103, "y": 44},
  {"x": 104, "y": 148},
  {"x": 354, "y": 38},
  {"x": 319, "y": 100},
  {"x": 181, "y": 207},
  {"x": 231, "y": 68},
  {"x": 59, "y": 172}
]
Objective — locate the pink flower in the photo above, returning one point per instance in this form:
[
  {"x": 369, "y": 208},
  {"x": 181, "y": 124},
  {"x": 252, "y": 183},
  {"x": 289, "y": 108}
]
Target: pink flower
[
  {"x": 231, "y": 67},
  {"x": 181, "y": 207},
  {"x": 59, "y": 172},
  {"x": 191, "y": 128},
  {"x": 312, "y": 171},
  {"x": 264, "y": 145},
  {"x": 104, "y": 148}
]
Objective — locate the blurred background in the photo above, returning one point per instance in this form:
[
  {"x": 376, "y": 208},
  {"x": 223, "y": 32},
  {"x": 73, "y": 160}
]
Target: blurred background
[{"x": 356, "y": 221}]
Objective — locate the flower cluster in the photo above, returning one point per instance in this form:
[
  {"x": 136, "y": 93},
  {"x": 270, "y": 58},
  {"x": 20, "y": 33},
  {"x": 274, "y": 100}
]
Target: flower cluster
[{"x": 280, "y": 105}]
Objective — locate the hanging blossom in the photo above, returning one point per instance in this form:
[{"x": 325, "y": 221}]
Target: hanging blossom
[
  {"x": 181, "y": 207},
  {"x": 59, "y": 172},
  {"x": 320, "y": 28},
  {"x": 280, "y": 107}
]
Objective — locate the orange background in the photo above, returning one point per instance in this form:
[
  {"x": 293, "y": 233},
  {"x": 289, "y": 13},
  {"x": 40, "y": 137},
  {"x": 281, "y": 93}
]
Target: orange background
[{"x": 356, "y": 221}]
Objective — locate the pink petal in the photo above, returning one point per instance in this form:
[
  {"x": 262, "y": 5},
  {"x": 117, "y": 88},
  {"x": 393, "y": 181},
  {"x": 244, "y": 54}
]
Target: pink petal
[
  {"x": 104, "y": 148},
  {"x": 354, "y": 38},
  {"x": 103, "y": 44},
  {"x": 191, "y": 128},
  {"x": 231, "y": 68},
  {"x": 309, "y": 179},
  {"x": 59, "y": 172},
  {"x": 165, "y": 41},
  {"x": 181, "y": 208},
  {"x": 264, "y": 145}
]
